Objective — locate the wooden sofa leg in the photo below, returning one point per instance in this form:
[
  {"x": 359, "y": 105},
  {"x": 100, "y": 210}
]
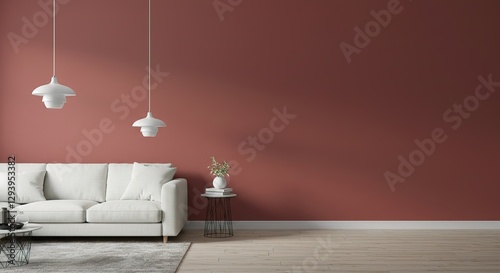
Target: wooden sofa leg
[{"x": 165, "y": 239}]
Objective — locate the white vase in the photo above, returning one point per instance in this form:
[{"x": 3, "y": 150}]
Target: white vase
[{"x": 219, "y": 182}]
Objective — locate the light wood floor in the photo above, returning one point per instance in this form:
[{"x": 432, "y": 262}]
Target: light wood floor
[{"x": 349, "y": 251}]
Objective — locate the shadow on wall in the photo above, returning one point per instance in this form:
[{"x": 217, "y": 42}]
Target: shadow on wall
[{"x": 196, "y": 186}]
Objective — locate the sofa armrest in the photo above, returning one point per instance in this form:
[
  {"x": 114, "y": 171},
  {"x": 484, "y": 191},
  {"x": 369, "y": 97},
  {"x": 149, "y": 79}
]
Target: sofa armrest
[{"x": 174, "y": 199}]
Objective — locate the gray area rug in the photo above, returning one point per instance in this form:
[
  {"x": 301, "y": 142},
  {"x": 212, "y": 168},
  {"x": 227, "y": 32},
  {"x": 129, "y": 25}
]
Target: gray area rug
[{"x": 92, "y": 257}]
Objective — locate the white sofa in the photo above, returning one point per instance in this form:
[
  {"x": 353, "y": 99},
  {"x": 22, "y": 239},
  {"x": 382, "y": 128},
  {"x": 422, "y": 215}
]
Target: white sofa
[{"x": 91, "y": 199}]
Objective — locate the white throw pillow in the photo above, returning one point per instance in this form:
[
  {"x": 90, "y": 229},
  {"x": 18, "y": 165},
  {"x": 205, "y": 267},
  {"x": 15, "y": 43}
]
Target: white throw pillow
[
  {"x": 146, "y": 182},
  {"x": 29, "y": 186}
]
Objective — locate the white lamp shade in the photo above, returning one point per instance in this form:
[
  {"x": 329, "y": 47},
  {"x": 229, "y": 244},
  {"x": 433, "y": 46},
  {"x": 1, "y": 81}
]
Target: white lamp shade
[
  {"x": 54, "y": 94},
  {"x": 149, "y": 125}
]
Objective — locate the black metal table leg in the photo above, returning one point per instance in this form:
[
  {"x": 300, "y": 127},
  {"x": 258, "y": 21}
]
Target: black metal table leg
[{"x": 218, "y": 218}]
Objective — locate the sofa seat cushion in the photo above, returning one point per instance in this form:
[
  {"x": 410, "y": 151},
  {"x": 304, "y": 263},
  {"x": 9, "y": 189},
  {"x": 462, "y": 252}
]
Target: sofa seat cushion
[
  {"x": 125, "y": 211},
  {"x": 57, "y": 211}
]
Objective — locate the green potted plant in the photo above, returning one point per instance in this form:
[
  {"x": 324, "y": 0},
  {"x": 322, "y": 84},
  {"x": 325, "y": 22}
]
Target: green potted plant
[{"x": 219, "y": 170}]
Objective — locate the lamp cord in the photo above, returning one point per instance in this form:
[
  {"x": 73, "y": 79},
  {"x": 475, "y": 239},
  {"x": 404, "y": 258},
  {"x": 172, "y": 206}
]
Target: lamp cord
[
  {"x": 54, "y": 38},
  {"x": 149, "y": 55}
]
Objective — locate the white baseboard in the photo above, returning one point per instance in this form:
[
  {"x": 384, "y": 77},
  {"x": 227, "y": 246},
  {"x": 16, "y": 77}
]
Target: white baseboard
[{"x": 356, "y": 225}]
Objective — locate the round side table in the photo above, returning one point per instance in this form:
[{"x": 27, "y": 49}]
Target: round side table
[
  {"x": 15, "y": 246},
  {"x": 218, "y": 219}
]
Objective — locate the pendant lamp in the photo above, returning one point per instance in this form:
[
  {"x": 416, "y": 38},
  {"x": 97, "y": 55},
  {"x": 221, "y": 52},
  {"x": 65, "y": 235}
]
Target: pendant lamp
[
  {"x": 54, "y": 94},
  {"x": 149, "y": 125}
]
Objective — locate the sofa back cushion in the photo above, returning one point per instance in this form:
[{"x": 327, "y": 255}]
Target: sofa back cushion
[
  {"x": 119, "y": 176},
  {"x": 76, "y": 182}
]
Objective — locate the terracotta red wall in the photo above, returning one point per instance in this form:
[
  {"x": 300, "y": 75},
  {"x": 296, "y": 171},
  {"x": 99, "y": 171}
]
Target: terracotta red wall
[{"x": 351, "y": 120}]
